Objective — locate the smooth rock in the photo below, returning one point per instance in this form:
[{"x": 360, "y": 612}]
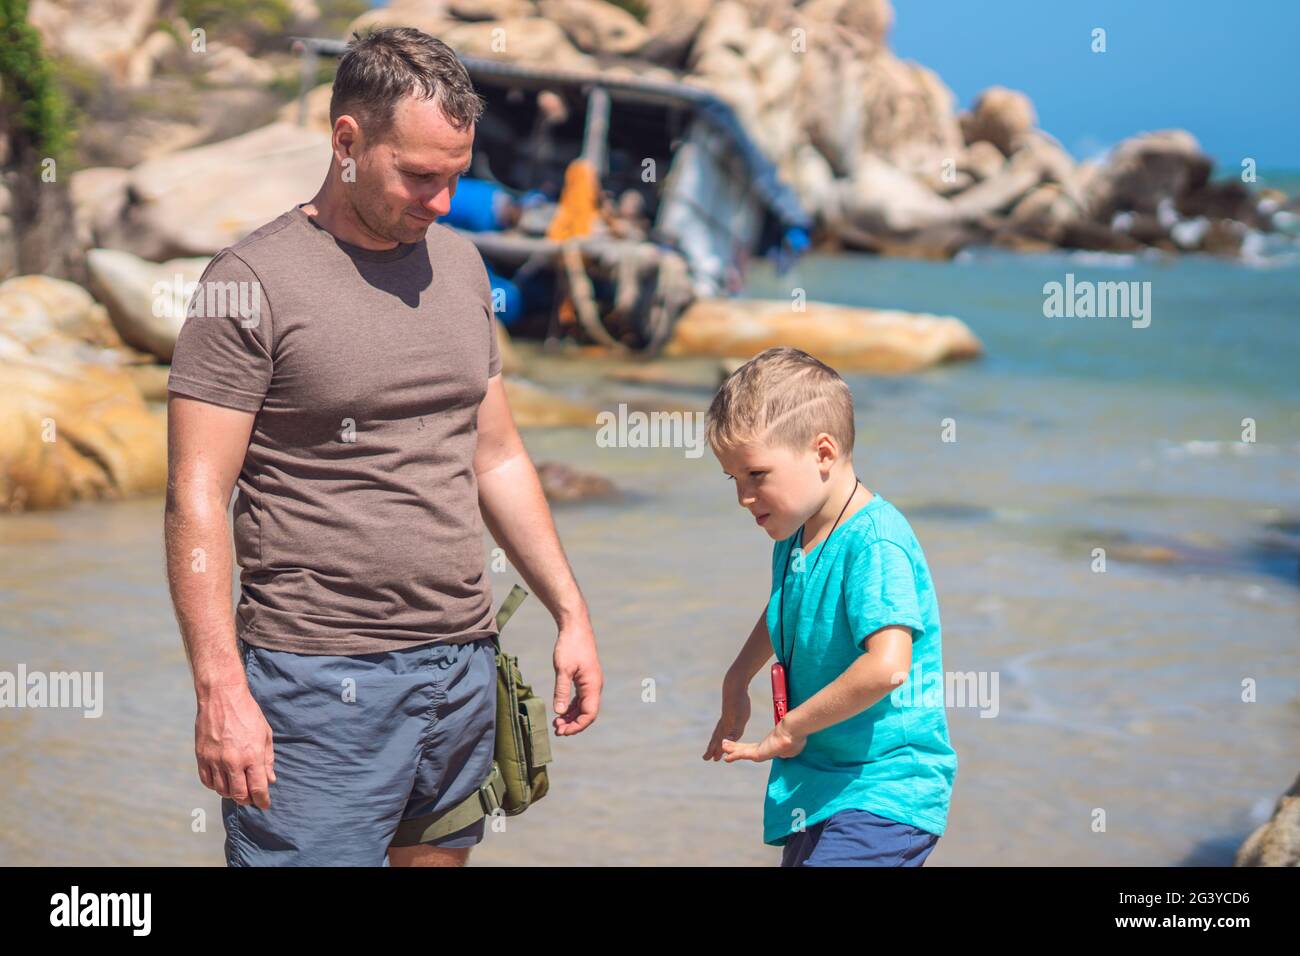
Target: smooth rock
[
  {"x": 561, "y": 483},
  {"x": 1043, "y": 213},
  {"x": 489, "y": 9},
  {"x": 145, "y": 300},
  {"x": 102, "y": 34},
  {"x": 849, "y": 339},
  {"x": 58, "y": 307},
  {"x": 519, "y": 40},
  {"x": 595, "y": 26},
  {"x": 1277, "y": 842},
  {"x": 671, "y": 28},
  {"x": 534, "y": 407},
  {"x": 1000, "y": 116},
  {"x": 70, "y": 432},
  {"x": 1145, "y": 170},
  {"x": 100, "y": 195},
  {"x": 870, "y": 19}
]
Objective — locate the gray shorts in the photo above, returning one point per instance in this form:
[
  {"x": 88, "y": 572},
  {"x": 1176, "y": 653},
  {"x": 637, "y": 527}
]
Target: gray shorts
[{"x": 362, "y": 743}]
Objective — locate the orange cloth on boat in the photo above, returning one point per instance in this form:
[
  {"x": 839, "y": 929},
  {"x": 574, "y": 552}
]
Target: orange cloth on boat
[{"x": 579, "y": 206}]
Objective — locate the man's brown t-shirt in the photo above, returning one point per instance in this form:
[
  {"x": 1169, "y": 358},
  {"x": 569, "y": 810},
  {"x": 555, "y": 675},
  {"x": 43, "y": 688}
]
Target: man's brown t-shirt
[{"x": 357, "y": 526}]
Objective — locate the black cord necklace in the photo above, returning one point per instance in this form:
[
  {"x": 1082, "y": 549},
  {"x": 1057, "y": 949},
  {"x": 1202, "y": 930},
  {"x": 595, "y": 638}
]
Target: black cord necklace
[{"x": 822, "y": 550}]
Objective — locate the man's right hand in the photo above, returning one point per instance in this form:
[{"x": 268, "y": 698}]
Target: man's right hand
[{"x": 232, "y": 742}]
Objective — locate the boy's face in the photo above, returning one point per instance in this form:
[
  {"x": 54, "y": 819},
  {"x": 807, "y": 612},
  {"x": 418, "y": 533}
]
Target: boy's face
[{"x": 782, "y": 488}]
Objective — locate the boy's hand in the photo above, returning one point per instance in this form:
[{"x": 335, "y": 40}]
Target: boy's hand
[
  {"x": 735, "y": 715},
  {"x": 779, "y": 743}
]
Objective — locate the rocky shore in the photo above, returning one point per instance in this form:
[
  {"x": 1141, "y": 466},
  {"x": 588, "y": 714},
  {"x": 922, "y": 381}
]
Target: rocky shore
[
  {"x": 874, "y": 145},
  {"x": 190, "y": 139}
]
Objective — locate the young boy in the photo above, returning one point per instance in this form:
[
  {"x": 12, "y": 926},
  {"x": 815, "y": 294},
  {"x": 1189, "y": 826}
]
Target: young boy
[{"x": 861, "y": 773}]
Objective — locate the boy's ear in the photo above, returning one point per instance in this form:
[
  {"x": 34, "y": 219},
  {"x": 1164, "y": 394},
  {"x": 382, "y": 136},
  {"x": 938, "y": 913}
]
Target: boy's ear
[{"x": 828, "y": 451}]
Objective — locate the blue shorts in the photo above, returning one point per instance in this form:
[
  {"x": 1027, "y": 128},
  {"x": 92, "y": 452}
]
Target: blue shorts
[
  {"x": 858, "y": 838},
  {"x": 362, "y": 743}
]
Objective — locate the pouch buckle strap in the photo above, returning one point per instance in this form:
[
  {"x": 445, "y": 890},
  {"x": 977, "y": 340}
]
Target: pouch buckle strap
[
  {"x": 510, "y": 605},
  {"x": 469, "y": 811},
  {"x": 492, "y": 790}
]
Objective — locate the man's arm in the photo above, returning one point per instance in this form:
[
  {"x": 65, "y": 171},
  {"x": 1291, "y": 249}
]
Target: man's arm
[
  {"x": 517, "y": 516},
  {"x": 206, "y": 444}
]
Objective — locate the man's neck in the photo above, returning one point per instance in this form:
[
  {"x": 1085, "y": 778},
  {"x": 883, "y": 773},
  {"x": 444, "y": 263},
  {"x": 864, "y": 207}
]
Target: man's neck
[
  {"x": 335, "y": 216},
  {"x": 818, "y": 527}
]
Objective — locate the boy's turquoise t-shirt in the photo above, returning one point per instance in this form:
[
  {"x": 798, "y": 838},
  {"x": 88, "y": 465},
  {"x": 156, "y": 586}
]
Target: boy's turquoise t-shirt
[{"x": 894, "y": 758}]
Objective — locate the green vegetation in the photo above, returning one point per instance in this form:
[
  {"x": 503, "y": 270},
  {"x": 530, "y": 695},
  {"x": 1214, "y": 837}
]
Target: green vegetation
[
  {"x": 637, "y": 8},
  {"x": 252, "y": 24},
  {"x": 335, "y": 15},
  {"x": 29, "y": 92}
]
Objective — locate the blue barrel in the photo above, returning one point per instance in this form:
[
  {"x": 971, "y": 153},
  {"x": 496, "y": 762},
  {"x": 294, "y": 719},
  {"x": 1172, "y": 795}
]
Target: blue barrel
[
  {"x": 508, "y": 296},
  {"x": 477, "y": 206}
]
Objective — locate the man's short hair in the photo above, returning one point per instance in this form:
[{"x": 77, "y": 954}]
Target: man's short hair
[
  {"x": 382, "y": 67},
  {"x": 782, "y": 396}
]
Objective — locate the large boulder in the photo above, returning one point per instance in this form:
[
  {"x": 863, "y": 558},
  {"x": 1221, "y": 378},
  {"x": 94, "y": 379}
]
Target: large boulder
[
  {"x": 1276, "y": 842},
  {"x": 981, "y": 159},
  {"x": 727, "y": 26},
  {"x": 533, "y": 406},
  {"x": 100, "y": 195},
  {"x": 8, "y": 241},
  {"x": 489, "y": 9},
  {"x": 671, "y": 26},
  {"x": 869, "y": 19},
  {"x": 71, "y": 431},
  {"x": 1225, "y": 199},
  {"x": 563, "y": 484},
  {"x": 595, "y": 26},
  {"x": 518, "y": 40},
  {"x": 1057, "y": 165},
  {"x": 228, "y": 65},
  {"x": 1043, "y": 214},
  {"x": 159, "y": 51},
  {"x": 432, "y": 18},
  {"x": 883, "y": 199},
  {"x": 850, "y": 339},
  {"x": 909, "y": 115},
  {"x": 1002, "y": 190},
  {"x": 999, "y": 116},
  {"x": 44, "y": 314},
  {"x": 814, "y": 180},
  {"x": 145, "y": 300},
  {"x": 1146, "y": 169},
  {"x": 102, "y": 34},
  {"x": 198, "y": 201},
  {"x": 831, "y": 99}
]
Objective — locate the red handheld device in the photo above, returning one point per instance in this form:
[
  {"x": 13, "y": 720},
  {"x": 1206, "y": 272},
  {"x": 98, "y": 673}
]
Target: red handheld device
[{"x": 779, "y": 696}]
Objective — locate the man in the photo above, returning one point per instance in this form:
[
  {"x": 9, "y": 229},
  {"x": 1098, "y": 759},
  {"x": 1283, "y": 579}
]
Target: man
[{"x": 340, "y": 365}]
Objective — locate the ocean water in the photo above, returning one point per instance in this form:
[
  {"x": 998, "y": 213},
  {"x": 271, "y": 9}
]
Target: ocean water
[{"x": 1147, "y": 714}]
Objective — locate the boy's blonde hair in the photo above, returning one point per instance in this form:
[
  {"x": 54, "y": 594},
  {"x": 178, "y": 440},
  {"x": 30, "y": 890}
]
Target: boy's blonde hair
[{"x": 782, "y": 396}]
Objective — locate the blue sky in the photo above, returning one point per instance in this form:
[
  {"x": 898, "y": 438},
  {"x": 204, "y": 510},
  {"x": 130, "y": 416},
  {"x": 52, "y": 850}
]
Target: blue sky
[{"x": 1226, "y": 72}]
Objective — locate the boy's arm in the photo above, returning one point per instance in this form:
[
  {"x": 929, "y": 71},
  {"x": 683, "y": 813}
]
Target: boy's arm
[
  {"x": 885, "y": 663},
  {"x": 865, "y": 682},
  {"x": 756, "y": 652}
]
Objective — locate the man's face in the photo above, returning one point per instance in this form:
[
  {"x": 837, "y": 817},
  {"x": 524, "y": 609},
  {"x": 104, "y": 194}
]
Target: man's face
[
  {"x": 405, "y": 180},
  {"x": 781, "y": 488}
]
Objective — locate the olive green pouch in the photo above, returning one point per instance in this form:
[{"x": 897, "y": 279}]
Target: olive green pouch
[
  {"x": 523, "y": 747},
  {"x": 521, "y": 753}
]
